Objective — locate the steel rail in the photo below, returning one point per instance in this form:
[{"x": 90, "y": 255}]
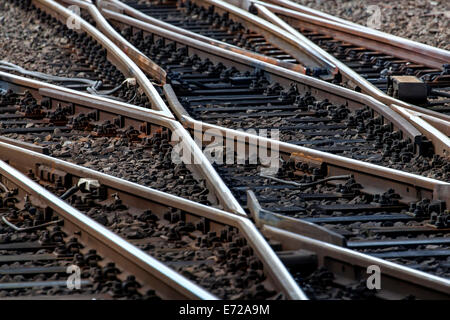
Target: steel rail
[
  {"x": 124, "y": 8},
  {"x": 25, "y": 160},
  {"x": 166, "y": 281},
  {"x": 432, "y": 52},
  {"x": 143, "y": 62},
  {"x": 408, "y": 49},
  {"x": 410, "y": 186},
  {"x": 441, "y": 141},
  {"x": 278, "y": 74},
  {"x": 117, "y": 56},
  {"x": 395, "y": 279},
  {"x": 350, "y": 75},
  {"x": 442, "y": 125},
  {"x": 19, "y": 84},
  {"x": 273, "y": 34},
  {"x": 25, "y": 145},
  {"x": 136, "y": 116}
]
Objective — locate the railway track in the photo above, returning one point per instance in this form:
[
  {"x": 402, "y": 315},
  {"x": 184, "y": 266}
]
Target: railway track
[
  {"x": 277, "y": 193},
  {"x": 235, "y": 94},
  {"x": 218, "y": 27},
  {"x": 221, "y": 252},
  {"x": 167, "y": 233},
  {"x": 340, "y": 208},
  {"x": 389, "y": 65},
  {"x": 52, "y": 251},
  {"x": 25, "y": 162},
  {"x": 210, "y": 24},
  {"x": 356, "y": 214},
  {"x": 315, "y": 265},
  {"x": 398, "y": 80},
  {"x": 380, "y": 66},
  {"x": 261, "y": 41},
  {"x": 42, "y": 127},
  {"x": 122, "y": 140},
  {"x": 72, "y": 53}
]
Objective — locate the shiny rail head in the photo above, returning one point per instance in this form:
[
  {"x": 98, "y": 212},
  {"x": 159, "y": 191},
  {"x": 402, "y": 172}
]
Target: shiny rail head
[
  {"x": 399, "y": 47},
  {"x": 117, "y": 56},
  {"x": 428, "y": 286},
  {"x": 312, "y": 12},
  {"x": 435, "y": 189},
  {"x": 270, "y": 69},
  {"x": 273, "y": 267},
  {"x": 182, "y": 287},
  {"x": 20, "y": 84},
  {"x": 434, "y": 56},
  {"x": 136, "y": 116},
  {"x": 124, "y": 8},
  {"x": 146, "y": 64}
]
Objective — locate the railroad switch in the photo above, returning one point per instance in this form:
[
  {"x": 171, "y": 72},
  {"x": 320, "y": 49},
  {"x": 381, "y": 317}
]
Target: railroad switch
[{"x": 409, "y": 88}]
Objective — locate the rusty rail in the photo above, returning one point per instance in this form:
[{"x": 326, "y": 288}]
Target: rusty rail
[
  {"x": 121, "y": 7},
  {"x": 279, "y": 74},
  {"x": 25, "y": 160},
  {"x": 115, "y": 55},
  {"x": 132, "y": 115},
  {"x": 367, "y": 37},
  {"x": 396, "y": 280},
  {"x": 146, "y": 64},
  {"x": 168, "y": 283}
]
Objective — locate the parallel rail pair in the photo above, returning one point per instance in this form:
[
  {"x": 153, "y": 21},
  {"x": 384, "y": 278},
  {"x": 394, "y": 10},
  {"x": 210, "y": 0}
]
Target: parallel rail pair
[
  {"x": 426, "y": 188},
  {"x": 432, "y": 124},
  {"x": 138, "y": 198}
]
